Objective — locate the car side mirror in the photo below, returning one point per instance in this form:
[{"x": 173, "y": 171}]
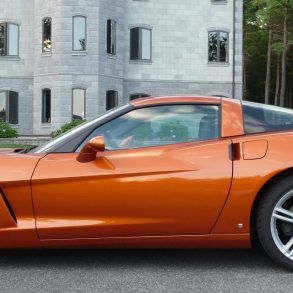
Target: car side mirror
[{"x": 89, "y": 151}]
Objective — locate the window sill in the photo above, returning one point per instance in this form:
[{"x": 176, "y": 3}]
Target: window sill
[
  {"x": 46, "y": 54},
  {"x": 218, "y": 64},
  {"x": 46, "y": 125},
  {"x": 111, "y": 56},
  {"x": 10, "y": 58},
  {"x": 79, "y": 53},
  {"x": 146, "y": 62}
]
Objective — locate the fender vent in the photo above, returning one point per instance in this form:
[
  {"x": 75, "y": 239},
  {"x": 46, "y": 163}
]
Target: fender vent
[{"x": 8, "y": 206}]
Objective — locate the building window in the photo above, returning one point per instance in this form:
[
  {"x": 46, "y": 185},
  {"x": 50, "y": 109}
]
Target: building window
[
  {"x": 218, "y": 46},
  {"x": 9, "y": 39},
  {"x": 220, "y": 96},
  {"x": 47, "y": 35},
  {"x": 78, "y": 104},
  {"x": 9, "y": 107},
  {"x": 111, "y": 100},
  {"x": 140, "y": 43},
  {"x": 111, "y": 36},
  {"x": 46, "y": 106},
  {"x": 219, "y": 1},
  {"x": 137, "y": 96},
  {"x": 79, "y": 33}
]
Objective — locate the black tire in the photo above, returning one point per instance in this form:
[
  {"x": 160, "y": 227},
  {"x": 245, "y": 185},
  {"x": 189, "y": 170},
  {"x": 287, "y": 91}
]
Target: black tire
[{"x": 263, "y": 220}]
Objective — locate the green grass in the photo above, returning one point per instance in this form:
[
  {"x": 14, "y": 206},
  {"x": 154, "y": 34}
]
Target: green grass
[{"x": 14, "y": 146}]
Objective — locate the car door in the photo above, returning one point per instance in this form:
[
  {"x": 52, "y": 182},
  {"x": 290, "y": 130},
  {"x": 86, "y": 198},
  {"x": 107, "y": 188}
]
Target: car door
[{"x": 165, "y": 171}]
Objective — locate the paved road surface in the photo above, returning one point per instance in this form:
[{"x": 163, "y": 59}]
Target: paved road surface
[{"x": 141, "y": 271}]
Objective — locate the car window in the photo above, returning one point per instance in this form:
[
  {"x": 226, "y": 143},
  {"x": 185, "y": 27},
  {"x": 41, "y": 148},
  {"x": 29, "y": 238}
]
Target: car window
[
  {"x": 265, "y": 118},
  {"x": 160, "y": 125}
]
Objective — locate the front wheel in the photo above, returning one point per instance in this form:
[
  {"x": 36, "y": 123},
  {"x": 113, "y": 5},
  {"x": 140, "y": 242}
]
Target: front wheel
[{"x": 274, "y": 222}]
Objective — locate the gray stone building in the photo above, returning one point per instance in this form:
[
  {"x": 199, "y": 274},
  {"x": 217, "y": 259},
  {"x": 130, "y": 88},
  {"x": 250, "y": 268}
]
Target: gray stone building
[{"x": 66, "y": 59}]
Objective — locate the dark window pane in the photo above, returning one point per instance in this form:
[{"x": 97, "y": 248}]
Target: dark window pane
[
  {"x": 79, "y": 33},
  {"x": 134, "y": 44},
  {"x": 47, "y": 32},
  {"x": 13, "y": 107},
  {"x": 111, "y": 37},
  {"x": 111, "y": 100},
  {"x": 223, "y": 47},
  {"x": 46, "y": 106},
  {"x": 2, "y": 38},
  {"x": 3, "y": 106},
  {"x": 162, "y": 125},
  {"x": 213, "y": 46},
  {"x": 12, "y": 39},
  {"x": 137, "y": 96},
  {"x": 78, "y": 104},
  {"x": 263, "y": 118}
]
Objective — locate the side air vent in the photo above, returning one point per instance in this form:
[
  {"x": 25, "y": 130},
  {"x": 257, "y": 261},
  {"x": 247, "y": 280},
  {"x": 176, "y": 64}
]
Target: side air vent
[{"x": 6, "y": 210}]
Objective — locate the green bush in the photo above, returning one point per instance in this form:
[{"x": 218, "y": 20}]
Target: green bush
[
  {"x": 6, "y": 131},
  {"x": 68, "y": 126}
]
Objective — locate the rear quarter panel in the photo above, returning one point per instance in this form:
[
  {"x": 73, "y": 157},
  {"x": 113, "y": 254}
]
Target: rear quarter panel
[{"x": 250, "y": 175}]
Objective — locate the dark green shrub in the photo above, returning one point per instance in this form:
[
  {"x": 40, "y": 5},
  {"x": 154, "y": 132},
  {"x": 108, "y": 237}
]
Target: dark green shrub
[
  {"x": 6, "y": 131},
  {"x": 68, "y": 126}
]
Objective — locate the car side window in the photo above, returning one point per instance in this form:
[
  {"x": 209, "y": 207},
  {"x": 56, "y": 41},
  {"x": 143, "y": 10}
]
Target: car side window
[
  {"x": 260, "y": 118},
  {"x": 160, "y": 125}
]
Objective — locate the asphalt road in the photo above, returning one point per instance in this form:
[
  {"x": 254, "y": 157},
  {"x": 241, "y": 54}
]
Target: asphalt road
[{"x": 141, "y": 271}]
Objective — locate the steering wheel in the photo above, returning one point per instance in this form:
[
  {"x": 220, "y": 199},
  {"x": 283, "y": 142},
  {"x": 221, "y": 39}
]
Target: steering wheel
[{"x": 131, "y": 141}]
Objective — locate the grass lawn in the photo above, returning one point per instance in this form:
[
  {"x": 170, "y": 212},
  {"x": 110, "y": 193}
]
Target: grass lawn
[{"x": 14, "y": 146}]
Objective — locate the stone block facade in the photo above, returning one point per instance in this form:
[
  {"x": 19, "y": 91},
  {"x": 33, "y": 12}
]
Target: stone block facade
[{"x": 179, "y": 63}]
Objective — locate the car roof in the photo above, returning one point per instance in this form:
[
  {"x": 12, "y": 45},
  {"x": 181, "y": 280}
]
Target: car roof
[{"x": 148, "y": 101}]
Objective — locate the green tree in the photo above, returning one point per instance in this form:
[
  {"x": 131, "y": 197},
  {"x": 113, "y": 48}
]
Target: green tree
[{"x": 267, "y": 39}]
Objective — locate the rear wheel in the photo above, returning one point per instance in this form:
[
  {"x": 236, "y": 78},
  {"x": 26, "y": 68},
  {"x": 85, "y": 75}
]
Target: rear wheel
[{"x": 274, "y": 222}]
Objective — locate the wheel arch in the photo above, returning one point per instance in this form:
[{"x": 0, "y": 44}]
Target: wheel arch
[{"x": 272, "y": 181}]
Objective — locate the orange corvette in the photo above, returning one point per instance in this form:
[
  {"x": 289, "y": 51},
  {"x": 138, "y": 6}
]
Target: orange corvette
[{"x": 170, "y": 172}]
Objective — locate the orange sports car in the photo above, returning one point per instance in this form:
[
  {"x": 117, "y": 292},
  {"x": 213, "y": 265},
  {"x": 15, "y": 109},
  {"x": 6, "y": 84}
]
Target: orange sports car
[{"x": 162, "y": 172}]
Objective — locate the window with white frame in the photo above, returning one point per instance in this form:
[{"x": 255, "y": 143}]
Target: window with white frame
[
  {"x": 111, "y": 36},
  {"x": 79, "y": 33},
  {"x": 140, "y": 43},
  {"x": 218, "y": 46},
  {"x": 9, "y": 107},
  {"x": 9, "y": 39},
  {"x": 47, "y": 35},
  {"x": 78, "y": 103},
  {"x": 219, "y": 1}
]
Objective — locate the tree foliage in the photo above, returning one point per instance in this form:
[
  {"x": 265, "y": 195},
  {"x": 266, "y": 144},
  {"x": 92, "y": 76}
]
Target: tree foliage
[
  {"x": 68, "y": 126},
  {"x": 268, "y": 40}
]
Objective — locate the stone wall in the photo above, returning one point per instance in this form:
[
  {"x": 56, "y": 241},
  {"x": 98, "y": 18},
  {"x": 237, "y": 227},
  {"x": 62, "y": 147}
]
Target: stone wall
[{"x": 179, "y": 62}]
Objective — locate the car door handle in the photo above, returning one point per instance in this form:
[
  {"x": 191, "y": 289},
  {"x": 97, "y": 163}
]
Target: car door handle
[{"x": 235, "y": 151}]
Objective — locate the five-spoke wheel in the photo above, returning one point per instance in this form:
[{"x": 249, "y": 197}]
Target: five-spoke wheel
[
  {"x": 282, "y": 225},
  {"x": 274, "y": 221}
]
